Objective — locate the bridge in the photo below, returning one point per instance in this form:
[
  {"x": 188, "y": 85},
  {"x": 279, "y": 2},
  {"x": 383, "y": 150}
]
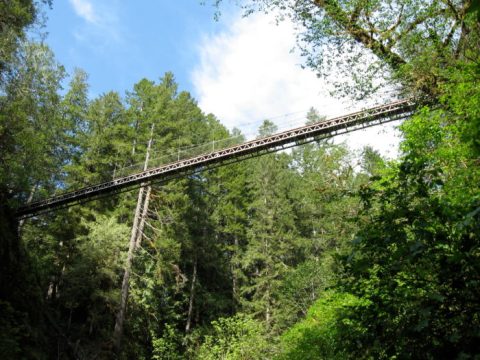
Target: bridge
[{"x": 324, "y": 129}]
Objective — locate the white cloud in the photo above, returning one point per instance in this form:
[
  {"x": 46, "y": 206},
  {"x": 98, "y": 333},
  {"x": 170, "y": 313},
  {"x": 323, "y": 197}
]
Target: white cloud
[
  {"x": 84, "y": 9},
  {"x": 102, "y": 26},
  {"x": 249, "y": 73}
]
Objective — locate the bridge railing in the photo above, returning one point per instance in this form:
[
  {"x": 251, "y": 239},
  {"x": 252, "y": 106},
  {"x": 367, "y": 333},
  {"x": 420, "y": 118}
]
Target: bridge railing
[
  {"x": 173, "y": 155},
  {"x": 188, "y": 163}
]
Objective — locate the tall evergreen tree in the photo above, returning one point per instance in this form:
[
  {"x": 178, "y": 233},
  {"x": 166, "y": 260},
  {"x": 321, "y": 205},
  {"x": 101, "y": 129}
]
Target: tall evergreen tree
[
  {"x": 271, "y": 232},
  {"x": 33, "y": 133}
]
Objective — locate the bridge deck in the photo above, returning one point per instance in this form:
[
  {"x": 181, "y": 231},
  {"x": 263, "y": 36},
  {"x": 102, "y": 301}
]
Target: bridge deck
[{"x": 324, "y": 129}]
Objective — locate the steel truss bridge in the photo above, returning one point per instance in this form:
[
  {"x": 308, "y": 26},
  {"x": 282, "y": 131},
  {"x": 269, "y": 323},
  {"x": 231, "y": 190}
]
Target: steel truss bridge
[{"x": 324, "y": 129}]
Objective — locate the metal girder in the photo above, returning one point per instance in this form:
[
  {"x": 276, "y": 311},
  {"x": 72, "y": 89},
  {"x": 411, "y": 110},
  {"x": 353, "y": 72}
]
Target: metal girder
[{"x": 328, "y": 128}]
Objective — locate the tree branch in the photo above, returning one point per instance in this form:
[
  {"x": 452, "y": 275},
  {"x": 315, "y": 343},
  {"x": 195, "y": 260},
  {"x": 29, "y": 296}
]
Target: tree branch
[
  {"x": 449, "y": 37},
  {"x": 398, "y": 22},
  {"x": 452, "y": 8},
  {"x": 360, "y": 35},
  {"x": 418, "y": 21}
]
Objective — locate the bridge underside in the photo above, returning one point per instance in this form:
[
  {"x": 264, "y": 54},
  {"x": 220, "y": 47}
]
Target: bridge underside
[{"x": 294, "y": 137}]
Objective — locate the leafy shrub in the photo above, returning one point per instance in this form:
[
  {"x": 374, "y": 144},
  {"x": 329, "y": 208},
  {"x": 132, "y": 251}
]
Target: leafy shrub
[{"x": 236, "y": 337}]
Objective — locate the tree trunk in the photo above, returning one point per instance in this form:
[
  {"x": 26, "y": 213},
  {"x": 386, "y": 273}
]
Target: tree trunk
[
  {"x": 234, "y": 273},
  {"x": 192, "y": 297},
  {"x": 267, "y": 310},
  {"x": 147, "y": 196},
  {"x": 118, "y": 330},
  {"x": 143, "y": 218},
  {"x": 359, "y": 34}
]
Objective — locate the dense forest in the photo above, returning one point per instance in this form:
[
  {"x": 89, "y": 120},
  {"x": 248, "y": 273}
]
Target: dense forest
[{"x": 315, "y": 253}]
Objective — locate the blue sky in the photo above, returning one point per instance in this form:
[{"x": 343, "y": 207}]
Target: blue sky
[
  {"x": 119, "y": 42},
  {"x": 243, "y": 70}
]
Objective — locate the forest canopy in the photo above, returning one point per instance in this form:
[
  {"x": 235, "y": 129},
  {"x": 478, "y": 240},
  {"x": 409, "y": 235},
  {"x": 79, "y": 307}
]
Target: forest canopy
[{"x": 315, "y": 253}]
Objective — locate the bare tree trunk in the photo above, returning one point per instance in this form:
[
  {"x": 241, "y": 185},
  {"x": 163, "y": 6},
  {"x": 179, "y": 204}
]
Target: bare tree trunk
[
  {"x": 267, "y": 310},
  {"x": 143, "y": 218},
  {"x": 118, "y": 330},
  {"x": 234, "y": 273},
  {"x": 146, "y": 202},
  {"x": 192, "y": 297}
]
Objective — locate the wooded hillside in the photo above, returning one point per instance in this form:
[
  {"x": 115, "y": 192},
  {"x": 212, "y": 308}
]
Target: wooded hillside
[{"x": 317, "y": 253}]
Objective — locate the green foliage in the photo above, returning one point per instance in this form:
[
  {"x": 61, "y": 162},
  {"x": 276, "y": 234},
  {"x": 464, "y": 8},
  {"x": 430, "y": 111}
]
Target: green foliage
[
  {"x": 166, "y": 347},
  {"x": 460, "y": 96},
  {"x": 319, "y": 335},
  {"x": 416, "y": 258},
  {"x": 236, "y": 337},
  {"x": 302, "y": 286},
  {"x": 372, "y": 163},
  {"x": 87, "y": 285},
  {"x": 12, "y": 331},
  {"x": 15, "y": 17},
  {"x": 32, "y": 131},
  {"x": 324, "y": 197},
  {"x": 23, "y": 332},
  {"x": 270, "y": 237}
]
